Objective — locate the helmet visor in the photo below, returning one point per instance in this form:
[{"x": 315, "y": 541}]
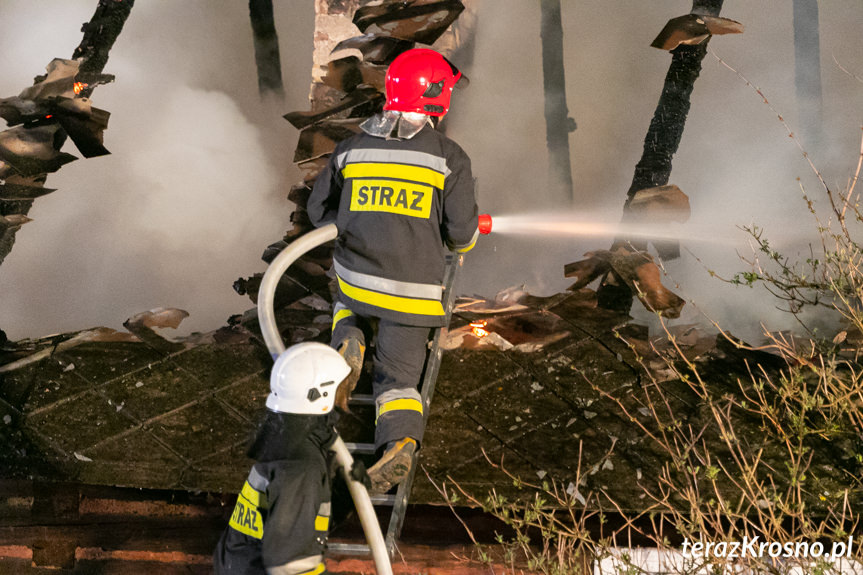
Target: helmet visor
[{"x": 462, "y": 81}]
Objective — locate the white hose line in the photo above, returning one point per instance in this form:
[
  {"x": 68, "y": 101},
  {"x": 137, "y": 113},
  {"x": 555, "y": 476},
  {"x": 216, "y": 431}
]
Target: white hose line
[
  {"x": 365, "y": 509},
  {"x": 267, "y": 320},
  {"x": 267, "y": 290}
]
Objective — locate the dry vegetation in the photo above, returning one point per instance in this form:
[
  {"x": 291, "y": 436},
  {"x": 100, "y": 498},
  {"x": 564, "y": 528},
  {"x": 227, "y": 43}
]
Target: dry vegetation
[{"x": 755, "y": 464}]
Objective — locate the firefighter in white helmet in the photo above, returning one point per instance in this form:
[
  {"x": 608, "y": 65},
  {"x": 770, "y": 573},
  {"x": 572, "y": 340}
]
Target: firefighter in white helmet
[
  {"x": 281, "y": 520},
  {"x": 400, "y": 193}
]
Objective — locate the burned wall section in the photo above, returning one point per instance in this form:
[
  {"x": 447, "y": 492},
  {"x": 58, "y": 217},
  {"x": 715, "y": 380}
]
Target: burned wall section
[
  {"x": 354, "y": 43},
  {"x": 55, "y": 108}
]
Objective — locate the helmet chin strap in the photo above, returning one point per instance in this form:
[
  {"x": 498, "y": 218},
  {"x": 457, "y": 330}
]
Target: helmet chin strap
[{"x": 392, "y": 124}]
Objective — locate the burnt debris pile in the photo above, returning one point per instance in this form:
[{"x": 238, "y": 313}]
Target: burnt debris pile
[{"x": 55, "y": 108}]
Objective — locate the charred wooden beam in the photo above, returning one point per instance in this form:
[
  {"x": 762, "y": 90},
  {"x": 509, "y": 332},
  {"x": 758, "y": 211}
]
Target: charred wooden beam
[
  {"x": 358, "y": 97},
  {"x": 421, "y": 21},
  {"x": 267, "y": 56},
  {"x": 660, "y": 205},
  {"x": 52, "y": 100},
  {"x": 9, "y": 191},
  {"x": 13, "y": 211},
  {"x": 321, "y": 139},
  {"x": 348, "y": 74},
  {"x": 375, "y": 49},
  {"x": 666, "y": 128},
  {"x": 142, "y": 324},
  {"x": 660, "y": 144},
  {"x": 692, "y": 29},
  {"x": 34, "y": 151},
  {"x": 100, "y": 33},
  {"x": 86, "y": 130},
  {"x": 632, "y": 273},
  {"x": 14, "y": 221},
  {"x": 558, "y": 124}
]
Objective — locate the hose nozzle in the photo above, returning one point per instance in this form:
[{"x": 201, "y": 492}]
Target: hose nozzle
[{"x": 484, "y": 224}]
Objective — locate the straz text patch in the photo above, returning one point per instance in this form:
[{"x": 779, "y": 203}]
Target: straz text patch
[{"x": 405, "y": 198}]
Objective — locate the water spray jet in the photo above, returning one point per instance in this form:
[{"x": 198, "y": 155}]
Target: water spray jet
[{"x": 570, "y": 225}]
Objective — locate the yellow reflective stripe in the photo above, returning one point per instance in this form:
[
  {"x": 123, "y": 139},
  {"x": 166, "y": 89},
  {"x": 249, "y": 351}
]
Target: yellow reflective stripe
[
  {"x": 254, "y": 496},
  {"x": 400, "y": 404},
  {"x": 316, "y": 571},
  {"x": 247, "y": 518},
  {"x": 340, "y": 315},
  {"x": 396, "y": 171},
  {"x": 385, "y": 285},
  {"x": 466, "y": 248},
  {"x": 303, "y": 566},
  {"x": 322, "y": 523},
  {"x": 392, "y": 302}
]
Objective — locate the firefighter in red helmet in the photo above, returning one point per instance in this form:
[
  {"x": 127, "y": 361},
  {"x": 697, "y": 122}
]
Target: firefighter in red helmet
[
  {"x": 421, "y": 80},
  {"x": 400, "y": 194}
]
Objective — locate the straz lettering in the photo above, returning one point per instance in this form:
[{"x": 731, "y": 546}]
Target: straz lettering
[
  {"x": 239, "y": 509},
  {"x": 249, "y": 518},
  {"x": 393, "y": 197},
  {"x": 246, "y": 519}
]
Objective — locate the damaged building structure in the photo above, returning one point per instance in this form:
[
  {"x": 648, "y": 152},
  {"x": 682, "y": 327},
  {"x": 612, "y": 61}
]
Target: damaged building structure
[{"x": 547, "y": 387}]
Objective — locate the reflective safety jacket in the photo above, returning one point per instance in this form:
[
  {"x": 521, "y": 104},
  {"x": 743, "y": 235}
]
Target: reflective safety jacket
[
  {"x": 280, "y": 522},
  {"x": 397, "y": 203}
]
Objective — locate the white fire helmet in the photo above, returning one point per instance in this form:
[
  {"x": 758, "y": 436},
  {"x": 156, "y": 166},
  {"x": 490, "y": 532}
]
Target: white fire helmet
[{"x": 305, "y": 378}]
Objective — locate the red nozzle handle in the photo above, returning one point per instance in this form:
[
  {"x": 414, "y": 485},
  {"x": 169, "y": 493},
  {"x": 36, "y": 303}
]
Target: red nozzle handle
[{"x": 484, "y": 224}]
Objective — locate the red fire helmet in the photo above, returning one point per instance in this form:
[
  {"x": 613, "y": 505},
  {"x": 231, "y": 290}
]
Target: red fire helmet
[{"x": 421, "y": 80}]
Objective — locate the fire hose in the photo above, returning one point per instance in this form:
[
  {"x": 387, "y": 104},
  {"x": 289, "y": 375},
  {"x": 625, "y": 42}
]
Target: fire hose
[
  {"x": 273, "y": 339},
  {"x": 267, "y": 319}
]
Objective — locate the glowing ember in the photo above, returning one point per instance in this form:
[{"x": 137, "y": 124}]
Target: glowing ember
[
  {"x": 78, "y": 86},
  {"x": 477, "y": 328}
]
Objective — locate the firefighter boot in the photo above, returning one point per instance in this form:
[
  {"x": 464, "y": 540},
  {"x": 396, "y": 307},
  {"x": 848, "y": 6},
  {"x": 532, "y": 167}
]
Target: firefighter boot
[
  {"x": 393, "y": 466},
  {"x": 353, "y": 351}
]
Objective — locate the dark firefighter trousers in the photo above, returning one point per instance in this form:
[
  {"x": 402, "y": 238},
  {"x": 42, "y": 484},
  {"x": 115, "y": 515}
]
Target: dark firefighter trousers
[{"x": 400, "y": 354}]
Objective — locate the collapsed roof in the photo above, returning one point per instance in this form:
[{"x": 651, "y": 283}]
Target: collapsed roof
[{"x": 555, "y": 387}]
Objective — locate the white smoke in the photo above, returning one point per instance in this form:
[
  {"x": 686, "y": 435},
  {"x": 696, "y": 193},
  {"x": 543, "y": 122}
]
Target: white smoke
[
  {"x": 196, "y": 184},
  {"x": 197, "y": 181},
  {"x": 736, "y": 161}
]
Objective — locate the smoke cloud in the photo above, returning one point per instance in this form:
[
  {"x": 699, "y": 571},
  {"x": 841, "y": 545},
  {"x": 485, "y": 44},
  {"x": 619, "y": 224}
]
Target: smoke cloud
[
  {"x": 197, "y": 181},
  {"x": 736, "y": 161},
  {"x": 196, "y": 184}
]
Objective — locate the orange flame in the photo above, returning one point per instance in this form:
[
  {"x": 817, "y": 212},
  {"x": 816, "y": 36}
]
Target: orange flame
[
  {"x": 477, "y": 328},
  {"x": 78, "y": 86}
]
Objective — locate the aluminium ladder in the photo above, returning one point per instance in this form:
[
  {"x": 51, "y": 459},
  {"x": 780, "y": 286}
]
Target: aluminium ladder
[{"x": 399, "y": 500}]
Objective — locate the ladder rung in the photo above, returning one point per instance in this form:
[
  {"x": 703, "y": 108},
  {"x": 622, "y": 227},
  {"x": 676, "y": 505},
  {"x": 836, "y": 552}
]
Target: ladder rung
[
  {"x": 361, "y": 448},
  {"x": 348, "y": 549},
  {"x": 384, "y": 499},
  {"x": 399, "y": 500},
  {"x": 362, "y": 399}
]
